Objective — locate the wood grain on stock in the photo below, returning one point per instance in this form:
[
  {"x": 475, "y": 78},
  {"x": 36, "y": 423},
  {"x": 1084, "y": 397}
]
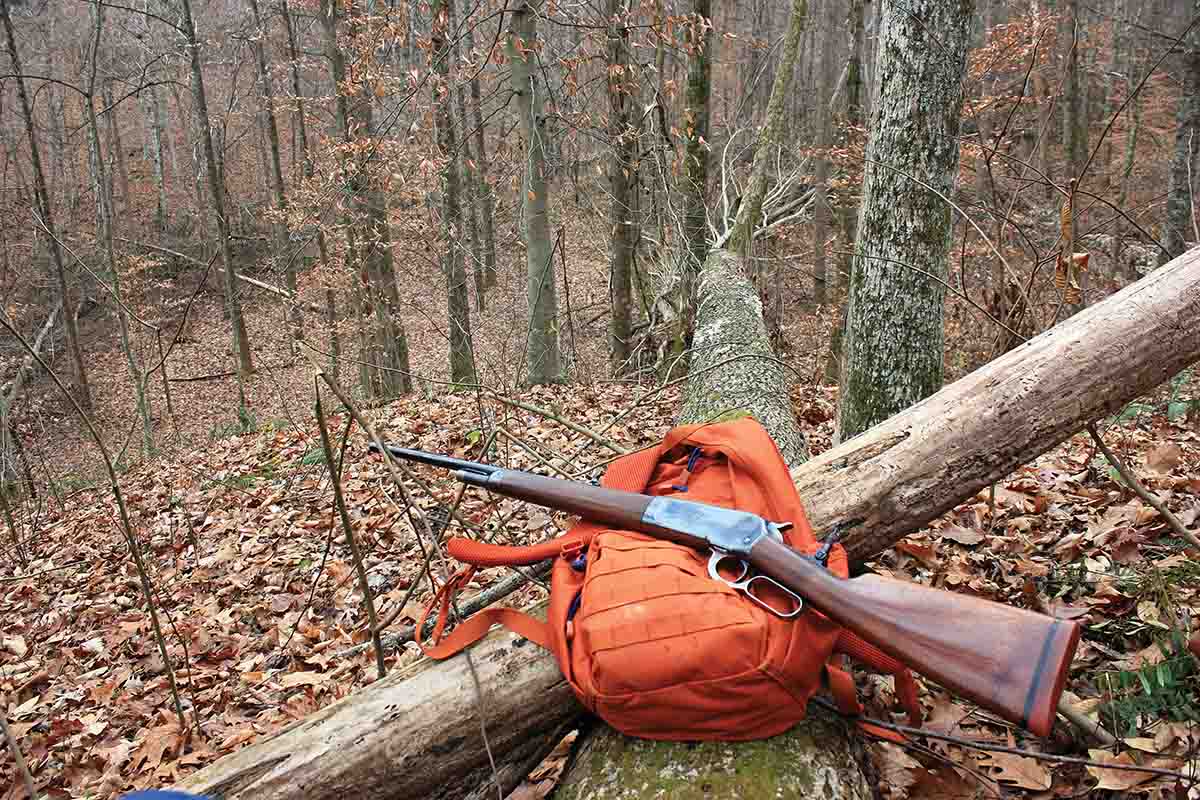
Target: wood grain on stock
[{"x": 1008, "y": 660}]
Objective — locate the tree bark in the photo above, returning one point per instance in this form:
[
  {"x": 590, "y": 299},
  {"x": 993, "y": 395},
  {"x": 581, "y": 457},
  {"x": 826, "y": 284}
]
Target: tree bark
[
  {"x": 541, "y": 290},
  {"x": 892, "y": 354},
  {"x": 1178, "y": 227},
  {"x": 695, "y": 165},
  {"x": 216, "y": 196},
  {"x": 415, "y": 734},
  {"x": 82, "y": 391},
  {"x": 622, "y": 179},
  {"x": 462, "y": 361},
  {"x": 419, "y": 738}
]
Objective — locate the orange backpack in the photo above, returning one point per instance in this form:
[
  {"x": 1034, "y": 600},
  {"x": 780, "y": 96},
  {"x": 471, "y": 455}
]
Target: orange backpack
[{"x": 647, "y": 640}]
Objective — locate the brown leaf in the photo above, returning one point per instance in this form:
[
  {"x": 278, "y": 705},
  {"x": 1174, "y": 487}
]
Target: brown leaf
[
  {"x": 1114, "y": 778},
  {"x": 1164, "y": 458},
  {"x": 897, "y": 769},
  {"x": 303, "y": 679},
  {"x": 923, "y": 553},
  {"x": 1027, "y": 773},
  {"x": 957, "y": 533},
  {"x": 157, "y": 742}
]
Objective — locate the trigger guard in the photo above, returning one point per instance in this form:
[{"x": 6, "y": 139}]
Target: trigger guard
[{"x": 716, "y": 558}]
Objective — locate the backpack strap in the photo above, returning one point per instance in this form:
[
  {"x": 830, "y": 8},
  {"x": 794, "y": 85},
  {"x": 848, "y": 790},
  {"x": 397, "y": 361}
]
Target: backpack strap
[
  {"x": 845, "y": 695},
  {"x": 629, "y": 473}
]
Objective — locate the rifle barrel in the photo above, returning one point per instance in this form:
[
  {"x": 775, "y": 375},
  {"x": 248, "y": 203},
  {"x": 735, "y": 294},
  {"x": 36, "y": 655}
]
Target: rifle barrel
[{"x": 435, "y": 460}]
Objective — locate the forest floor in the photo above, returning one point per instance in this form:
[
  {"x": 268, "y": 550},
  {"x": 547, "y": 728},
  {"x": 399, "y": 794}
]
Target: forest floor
[{"x": 260, "y": 598}]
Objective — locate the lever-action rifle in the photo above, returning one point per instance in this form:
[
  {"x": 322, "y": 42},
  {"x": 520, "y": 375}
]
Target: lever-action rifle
[{"x": 1008, "y": 660}]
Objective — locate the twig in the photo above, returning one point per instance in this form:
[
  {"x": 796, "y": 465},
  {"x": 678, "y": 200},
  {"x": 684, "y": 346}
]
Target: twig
[
  {"x": 22, "y": 767},
  {"x": 17, "y": 578},
  {"x": 996, "y": 748},
  {"x": 469, "y": 606},
  {"x": 519, "y": 442},
  {"x": 1086, "y": 724},
  {"x": 595, "y": 437},
  {"x": 364, "y": 585},
  {"x": 1141, "y": 490},
  {"x": 389, "y": 462}
]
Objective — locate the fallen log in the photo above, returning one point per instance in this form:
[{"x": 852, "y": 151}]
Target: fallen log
[
  {"x": 416, "y": 733},
  {"x": 419, "y": 737},
  {"x": 914, "y": 467}
]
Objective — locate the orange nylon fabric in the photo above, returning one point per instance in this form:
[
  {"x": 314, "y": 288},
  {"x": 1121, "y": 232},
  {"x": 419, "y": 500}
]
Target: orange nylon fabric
[{"x": 647, "y": 640}]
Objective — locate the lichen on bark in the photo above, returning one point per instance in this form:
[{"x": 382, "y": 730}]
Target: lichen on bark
[
  {"x": 733, "y": 368},
  {"x": 894, "y": 337}
]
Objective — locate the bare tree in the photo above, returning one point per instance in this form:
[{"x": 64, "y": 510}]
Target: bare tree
[
  {"x": 462, "y": 363},
  {"x": 216, "y": 196},
  {"x": 622, "y": 180},
  {"x": 45, "y": 212},
  {"x": 527, "y": 84},
  {"x": 295, "y": 312}
]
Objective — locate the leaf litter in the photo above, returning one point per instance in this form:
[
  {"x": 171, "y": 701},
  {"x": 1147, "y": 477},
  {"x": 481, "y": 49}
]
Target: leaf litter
[{"x": 261, "y": 604}]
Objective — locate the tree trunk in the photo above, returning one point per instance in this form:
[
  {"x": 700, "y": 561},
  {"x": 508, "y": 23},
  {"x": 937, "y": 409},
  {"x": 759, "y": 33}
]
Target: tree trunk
[
  {"x": 750, "y": 211},
  {"x": 301, "y": 128},
  {"x": 483, "y": 189},
  {"x": 83, "y": 393},
  {"x": 462, "y": 361},
  {"x": 695, "y": 165},
  {"x": 295, "y": 313},
  {"x": 104, "y": 214},
  {"x": 216, "y": 196},
  {"x": 468, "y": 168},
  {"x": 541, "y": 290},
  {"x": 114, "y": 137},
  {"x": 384, "y": 368},
  {"x": 1178, "y": 225},
  {"x": 621, "y": 179},
  {"x": 892, "y": 354},
  {"x": 733, "y": 369},
  {"x": 151, "y": 113},
  {"x": 417, "y": 738},
  {"x": 379, "y": 271}
]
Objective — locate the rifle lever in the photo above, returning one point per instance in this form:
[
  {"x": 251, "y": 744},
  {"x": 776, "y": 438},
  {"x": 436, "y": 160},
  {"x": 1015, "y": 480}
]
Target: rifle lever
[{"x": 785, "y": 603}]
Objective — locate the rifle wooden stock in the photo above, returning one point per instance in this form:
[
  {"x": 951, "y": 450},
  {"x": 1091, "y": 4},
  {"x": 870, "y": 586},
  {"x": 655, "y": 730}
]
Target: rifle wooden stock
[{"x": 1008, "y": 660}]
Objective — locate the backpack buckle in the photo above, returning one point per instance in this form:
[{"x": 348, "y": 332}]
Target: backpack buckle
[
  {"x": 572, "y": 550},
  {"x": 693, "y": 457}
]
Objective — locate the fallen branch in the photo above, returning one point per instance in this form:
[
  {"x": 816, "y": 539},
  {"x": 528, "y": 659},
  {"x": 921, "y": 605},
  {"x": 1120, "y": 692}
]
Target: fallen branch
[
  {"x": 266, "y": 287},
  {"x": 22, "y": 767},
  {"x": 1141, "y": 490},
  {"x": 595, "y": 437},
  {"x": 466, "y": 607}
]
